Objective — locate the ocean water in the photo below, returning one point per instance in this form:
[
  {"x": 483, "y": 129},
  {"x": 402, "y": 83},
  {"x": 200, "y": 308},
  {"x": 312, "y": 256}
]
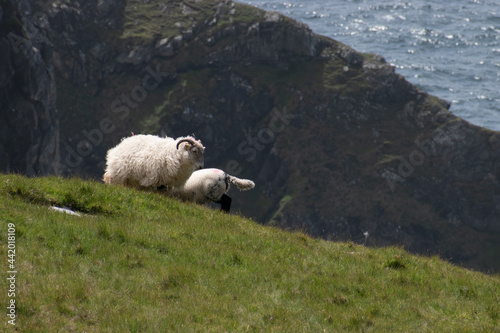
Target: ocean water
[{"x": 451, "y": 49}]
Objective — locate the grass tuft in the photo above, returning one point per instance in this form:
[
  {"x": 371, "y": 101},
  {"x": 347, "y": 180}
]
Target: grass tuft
[{"x": 395, "y": 263}]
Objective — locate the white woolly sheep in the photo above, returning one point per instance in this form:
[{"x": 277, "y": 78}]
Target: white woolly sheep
[
  {"x": 210, "y": 185},
  {"x": 148, "y": 161}
]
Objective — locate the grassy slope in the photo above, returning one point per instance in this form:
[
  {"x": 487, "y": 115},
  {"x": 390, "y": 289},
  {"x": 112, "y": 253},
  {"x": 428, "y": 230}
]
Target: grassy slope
[{"x": 140, "y": 262}]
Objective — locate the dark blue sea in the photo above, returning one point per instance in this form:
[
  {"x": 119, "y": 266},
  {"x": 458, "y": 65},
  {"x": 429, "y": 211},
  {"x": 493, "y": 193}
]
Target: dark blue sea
[{"x": 451, "y": 49}]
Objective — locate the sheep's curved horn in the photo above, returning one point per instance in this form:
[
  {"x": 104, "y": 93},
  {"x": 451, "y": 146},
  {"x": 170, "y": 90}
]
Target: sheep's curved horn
[{"x": 185, "y": 140}]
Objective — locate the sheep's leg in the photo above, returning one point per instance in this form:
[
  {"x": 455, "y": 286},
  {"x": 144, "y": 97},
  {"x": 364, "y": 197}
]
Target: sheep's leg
[{"x": 225, "y": 203}]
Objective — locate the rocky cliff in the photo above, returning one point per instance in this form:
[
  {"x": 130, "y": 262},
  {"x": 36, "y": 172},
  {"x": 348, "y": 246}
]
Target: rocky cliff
[
  {"x": 338, "y": 143},
  {"x": 29, "y": 127}
]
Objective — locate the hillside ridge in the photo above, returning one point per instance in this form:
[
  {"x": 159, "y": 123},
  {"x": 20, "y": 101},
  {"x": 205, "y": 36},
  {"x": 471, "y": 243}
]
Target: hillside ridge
[{"x": 138, "y": 261}]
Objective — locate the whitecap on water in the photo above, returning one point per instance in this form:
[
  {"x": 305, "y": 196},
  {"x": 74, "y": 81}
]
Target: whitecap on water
[{"x": 377, "y": 28}]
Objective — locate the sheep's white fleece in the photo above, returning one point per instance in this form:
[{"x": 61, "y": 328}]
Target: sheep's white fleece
[
  {"x": 151, "y": 161},
  {"x": 207, "y": 185}
]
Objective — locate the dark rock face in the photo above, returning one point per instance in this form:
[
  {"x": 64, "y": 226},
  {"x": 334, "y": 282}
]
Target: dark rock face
[
  {"x": 275, "y": 41},
  {"x": 29, "y": 127},
  {"x": 338, "y": 144}
]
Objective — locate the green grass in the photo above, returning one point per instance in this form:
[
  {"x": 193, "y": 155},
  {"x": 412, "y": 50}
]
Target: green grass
[
  {"x": 146, "y": 20},
  {"x": 140, "y": 262}
]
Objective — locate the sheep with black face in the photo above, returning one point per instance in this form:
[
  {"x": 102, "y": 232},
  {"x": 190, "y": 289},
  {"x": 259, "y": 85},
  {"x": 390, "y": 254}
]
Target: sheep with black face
[{"x": 210, "y": 185}]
